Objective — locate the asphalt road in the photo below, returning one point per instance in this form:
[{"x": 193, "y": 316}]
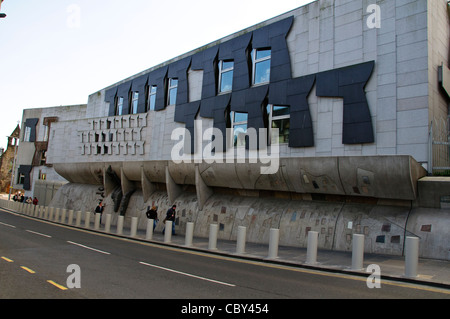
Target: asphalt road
[{"x": 47, "y": 261}]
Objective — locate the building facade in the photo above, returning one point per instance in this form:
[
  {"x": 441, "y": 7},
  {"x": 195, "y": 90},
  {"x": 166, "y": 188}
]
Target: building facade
[{"x": 317, "y": 119}]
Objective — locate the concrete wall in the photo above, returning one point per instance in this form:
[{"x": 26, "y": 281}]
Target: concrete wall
[{"x": 384, "y": 227}]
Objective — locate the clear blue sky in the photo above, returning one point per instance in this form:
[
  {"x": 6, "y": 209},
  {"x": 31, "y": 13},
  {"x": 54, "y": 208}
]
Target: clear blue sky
[{"x": 59, "y": 52}]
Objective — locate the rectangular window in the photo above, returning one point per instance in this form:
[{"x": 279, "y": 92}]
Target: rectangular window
[
  {"x": 279, "y": 118},
  {"x": 226, "y": 68},
  {"x": 27, "y": 134},
  {"x": 119, "y": 105},
  {"x": 261, "y": 65},
  {"x": 151, "y": 98},
  {"x": 134, "y": 102},
  {"x": 239, "y": 124},
  {"x": 172, "y": 92}
]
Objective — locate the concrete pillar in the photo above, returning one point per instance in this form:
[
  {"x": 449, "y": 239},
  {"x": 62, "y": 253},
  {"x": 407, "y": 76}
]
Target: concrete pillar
[
  {"x": 189, "y": 234},
  {"x": 133, "y": 230},
  {"x": 411, "y": 256},
  {"x": 108, "y": 223},
  {"x": 97, "y": 221},
  {"x": 168, "y": 232},
  {"x": 357, "y": 252},
  {"x": 311, "y": 253},
  {"x": 240, "y": 245},
  {"x": 273, "y": 243},
  {"x": 213, "y": 229},
  {"x": 87, "y": 219},
  {"x": 120, "y": 225}
]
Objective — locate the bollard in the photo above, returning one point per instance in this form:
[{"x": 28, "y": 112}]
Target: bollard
[
  {"x": 149, "y": 233},
  {"x": 50, "y": 213},
  {"x": 97, "y": 221},
  {"x": 70, "y": 217},
  {"x": 120, "y": 225},
  {"x": 133, "y": 230},
  {"x": 240, "y": 245},
  {"x": 168, "y": 232},
  {"x": 108, "y": 223},
  {"x": 411, "y": 256},
  {"x": 46, "y": 212},
  {"x": 87, "y": 219},
  {"x": 357, "y": 252},
  {"x": 57, "y": 211},
  {"x": 311, "y": 253},
  {"x": 41, "y": 211},
  {"x": 273, "y": 243},
  {"x": 63, "y": 215},
  {"x": 212, "y": 244},
  {"x": 189, "y": 234},
  {"x": 78, "y": 219}
]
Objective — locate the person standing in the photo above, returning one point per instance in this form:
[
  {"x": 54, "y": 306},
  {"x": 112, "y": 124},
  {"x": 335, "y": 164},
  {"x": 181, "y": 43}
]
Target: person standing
[
  {"x": 99, "y": 210},
  {"x": 170, "y": 215}
]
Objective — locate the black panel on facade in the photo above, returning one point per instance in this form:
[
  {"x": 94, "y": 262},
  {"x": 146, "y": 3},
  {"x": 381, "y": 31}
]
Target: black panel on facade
[
  {"x": 207, "y": 61},
  {"x": 110, "y": 97},
  {"x": 158, "y": 78},
  {"x": 26, "y": 171},
  {"x": 179, "y": 70},
  {"x": 31, "y": 123},
  {"x": 140, "y": 85}
]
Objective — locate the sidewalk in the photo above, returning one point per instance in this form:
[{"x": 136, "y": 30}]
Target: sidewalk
[{"x": 430, "y": 271}]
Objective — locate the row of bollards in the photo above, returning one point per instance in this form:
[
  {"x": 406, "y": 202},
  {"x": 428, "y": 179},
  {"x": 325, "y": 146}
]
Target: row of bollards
[{"x": 68, "y": 216}]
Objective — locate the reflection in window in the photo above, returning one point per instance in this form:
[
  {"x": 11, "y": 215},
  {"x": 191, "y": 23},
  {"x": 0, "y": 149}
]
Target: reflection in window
[
  {"x": 239, "y": 125},
  {"x": 172, "y": 93},
  {"x": 134, "y": 102},
  {"x": 119, "y": 105},
  {"x": 226, "y": 76},
  {"x": 279, "y": 118},
  {"x": 261, "y": 65},
  {"x": 151, "y": 98}
]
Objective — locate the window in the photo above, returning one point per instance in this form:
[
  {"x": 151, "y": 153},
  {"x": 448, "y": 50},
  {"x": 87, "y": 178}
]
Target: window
[
  {"x": 119, "y": 105},
  {"x": 134, "y": 102},
  {"x": 27, "y": 134},
  {"x": 21, "y": 178},
  {"x": 172, "y": 92},
  {"x": 226, "y": 68},
  {"x": 279, "y": 117},
  {"x": 151, "y": 98},
  {"x": 261, "y": 65},
  {"x": 239, "y": 125}
]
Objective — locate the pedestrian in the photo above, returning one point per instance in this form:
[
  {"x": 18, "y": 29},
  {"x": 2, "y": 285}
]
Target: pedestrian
[
  {"x": 99, "y": 210},
  {"x": 170, "y": 215},
  {"x": 35, "y": 201},
  {"x": 152, "y": 213}
]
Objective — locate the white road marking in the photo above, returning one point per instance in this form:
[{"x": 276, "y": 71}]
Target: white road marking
[
  {"x": 40, "y": 234},
  {"x": 97, "y": 250}
]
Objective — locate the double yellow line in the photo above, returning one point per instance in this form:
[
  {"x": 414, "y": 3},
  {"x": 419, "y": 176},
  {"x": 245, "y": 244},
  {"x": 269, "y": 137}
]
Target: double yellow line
[{"x": 33, "y": 272}]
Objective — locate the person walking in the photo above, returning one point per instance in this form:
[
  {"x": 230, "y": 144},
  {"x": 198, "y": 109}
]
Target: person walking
[
  {"x": 170, "y": 215},
  {"x": 152, "y": 213}
]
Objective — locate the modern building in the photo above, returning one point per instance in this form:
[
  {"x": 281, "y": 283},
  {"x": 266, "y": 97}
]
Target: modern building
[{"x": 353, "y": 90}]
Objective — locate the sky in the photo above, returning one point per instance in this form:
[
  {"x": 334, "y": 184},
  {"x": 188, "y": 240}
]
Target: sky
[{"x": 56, "y": 53}]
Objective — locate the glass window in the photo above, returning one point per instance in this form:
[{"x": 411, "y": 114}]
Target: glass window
[
  {"x": 134, "y": 102},
  {"x": 279, "y": 118},
  {"x": 261, "y": 65},
  {"x": 119, "y": 105},
  {"x": 172, "y": 93},
  {"x": 239, "y": 124},
  {"x": 27, "y": 134},
  {"x": 151, "y": 98},
  {"x": 226, "y": 76}
]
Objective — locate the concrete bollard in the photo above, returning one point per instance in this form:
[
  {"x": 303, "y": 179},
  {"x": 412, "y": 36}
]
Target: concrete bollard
[
  {"x": 50, "y": 213},
  {"x": 311, "y": 253},
  {"x": 70, "y": 217},
  {"x": 168, "y": 232},
  {"x": 189, "y": 234},
  {"x": 273, "y": 243},
  {"x": 411, "y": 256},
  {"x": 63, "y": 215},
  {"x": 87, "y": 219},
  {"x": 149, "y": 233},
  {"x": 108, "y": 223},
  {"x": 97, "y": 221},
  {"x": 57, "y": 212},
  {"x": 120, "y": 225},
  {"x": 357, "y": 252},
  {"x": 240, "y": 245},
  {"x": 41, "y": 211},
  {"x": 134, "y": 223},
  {"x": 212, "y": 244},
  {"x": 78, "y": 219},
  {"x": 46, "y": 212}
]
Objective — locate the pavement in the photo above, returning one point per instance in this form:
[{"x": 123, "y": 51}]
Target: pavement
[{"x": 430, "y": 272}]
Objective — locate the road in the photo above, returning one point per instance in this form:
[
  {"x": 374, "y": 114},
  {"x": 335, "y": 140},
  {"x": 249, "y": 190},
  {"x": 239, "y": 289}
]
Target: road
[{"x": 39, "y": 259}]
